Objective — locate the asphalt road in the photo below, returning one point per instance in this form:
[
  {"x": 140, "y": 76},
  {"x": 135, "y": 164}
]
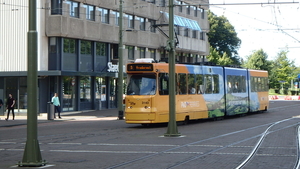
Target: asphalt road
[{"x": 94, "y": 140}]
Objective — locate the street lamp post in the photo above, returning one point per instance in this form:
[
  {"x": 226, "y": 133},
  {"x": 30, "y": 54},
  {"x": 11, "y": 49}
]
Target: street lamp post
[
  {"x": 172, "y": 125},
  {"x": 32, "y": 155},
  {"x": 120, "y": 73}
]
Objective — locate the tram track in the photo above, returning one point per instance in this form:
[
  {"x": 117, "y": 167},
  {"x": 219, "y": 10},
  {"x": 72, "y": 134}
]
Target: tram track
[
  {"x": 260, "y": 137},
  {"x": 197, "y": 149},
  {"x": 256, "y": 147}
]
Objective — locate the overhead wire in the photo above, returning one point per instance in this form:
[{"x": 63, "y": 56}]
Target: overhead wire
[{"x": 276, "y": 24}]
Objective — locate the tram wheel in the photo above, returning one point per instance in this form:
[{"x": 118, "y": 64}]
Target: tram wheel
[{"x": 186, "y": 120}]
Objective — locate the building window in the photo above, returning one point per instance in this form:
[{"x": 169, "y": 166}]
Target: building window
[
  {"x": 190, "y": 58},
  {"x": 85, "y": 89},
  {"x": 162, "y": 3},
  {"x": 117, "y": 17},
  {"x": 104, "y": 14},
  {"x": 85, "y": 47},
  {"x": 69, "y": 54},
  {"x": 186, "y": 32},
  {"x": 130, "y": 52},
  {"x": 114, "y": 51},
  {"x": 176, "y": 30},
  {"x": 101, "y": 56},
  {"x": 52, "y": 44},
  {"x": 142, "y": 23},
  {"x": 90, "y": 12},
  {"x": 152, "y": 23},
  {"x": 195, "y": 11},
  {"x": 74, "y": 8},
  {"x": 69, "y": 46},
  {"x": 101, "y": 49},
  {"x": 152, "y": 53},
  {"x": 202, "y": 36},
  {"x": 68, "y": 93},
  {"x": 188, "y": 10},
  {"x": 130, "y": 21},
  {"x": 86, "y": 58},
  {"x": 194, "y": 34},
  {"x": 180, "y": 7},
  {"x": 56, "y": 7},
  {"x": 142, "y": 52},
  {"x": 202, "y": 13}
]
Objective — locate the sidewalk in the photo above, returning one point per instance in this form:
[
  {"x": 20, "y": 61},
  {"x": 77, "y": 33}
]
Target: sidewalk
[{"x": 106, "y": 114}]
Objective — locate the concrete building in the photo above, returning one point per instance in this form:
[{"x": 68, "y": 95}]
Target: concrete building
[{"x": 78, "y": 46}]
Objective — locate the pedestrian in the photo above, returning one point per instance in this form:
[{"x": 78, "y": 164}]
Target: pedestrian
[
  {"x": 10, "y": 104},
  {"x": 55, "y": 102},
  {"x": 1, "y": 103}
]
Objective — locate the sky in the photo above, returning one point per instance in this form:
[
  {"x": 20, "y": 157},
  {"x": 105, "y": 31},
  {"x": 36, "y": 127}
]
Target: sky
[{"x": 270, "y": 27}]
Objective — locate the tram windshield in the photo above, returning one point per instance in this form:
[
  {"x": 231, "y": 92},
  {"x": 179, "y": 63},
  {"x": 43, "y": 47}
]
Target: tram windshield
[{"x": 142, "y": 85}]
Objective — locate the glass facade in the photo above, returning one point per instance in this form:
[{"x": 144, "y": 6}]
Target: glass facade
[
  {"x": 86, "y": 58},
  {"x": 17, "y": 86},
  {"x": 69, "y": 52},
  {"x": 101, "y": 56},
  {"x": 74, "y": 8},
  {"x": 100, "y": 92},
  {"x": 68, "y": 93},
  {"x": 90, "y": 12}
]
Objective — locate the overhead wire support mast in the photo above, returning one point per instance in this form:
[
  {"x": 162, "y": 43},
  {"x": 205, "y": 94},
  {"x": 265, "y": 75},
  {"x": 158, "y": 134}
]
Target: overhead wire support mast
[
  {"x": 120, "y": 73},
  {"x": 172, "y": 125}
]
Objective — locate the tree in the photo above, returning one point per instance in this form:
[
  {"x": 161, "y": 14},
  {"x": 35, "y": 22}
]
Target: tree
[
  {"x": 283, "y": 71},
  {"x": 258, "y": 60},
  {"x": 222, "y": 37},
  {"x": 215, "y": 57}
]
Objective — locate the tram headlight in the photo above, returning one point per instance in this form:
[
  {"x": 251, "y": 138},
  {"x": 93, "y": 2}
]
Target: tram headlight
[{"x": 147, "y": 107}]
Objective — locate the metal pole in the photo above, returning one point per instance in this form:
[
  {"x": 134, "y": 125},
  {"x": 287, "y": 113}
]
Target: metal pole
[
  {"x": 32, "y": 155},
  {"x": 120, "y": 75},
  {"x": 172, "y": 125}
]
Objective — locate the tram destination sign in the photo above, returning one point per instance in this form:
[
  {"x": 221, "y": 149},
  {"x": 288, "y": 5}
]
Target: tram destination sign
[{"x": 139, "y": 67}]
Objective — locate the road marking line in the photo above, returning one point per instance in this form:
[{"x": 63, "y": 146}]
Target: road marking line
[
  {"x": 67, "y": 143},
  {"x": 150, "y": 145},
  {"x": 8, "y": 142}
]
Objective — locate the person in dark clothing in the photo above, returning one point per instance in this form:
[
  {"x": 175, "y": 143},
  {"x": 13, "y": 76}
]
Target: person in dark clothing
[
  {"x": 10, "y": 103},
  {"x": 1, "y": 103}
]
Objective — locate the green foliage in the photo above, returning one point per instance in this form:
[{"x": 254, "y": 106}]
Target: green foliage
[
  {"x": 282, "y": 70},
  {"x": 223, "y": 38},
  {"x": 258, "y": 60},
  {"x": 215, "y": 57}
]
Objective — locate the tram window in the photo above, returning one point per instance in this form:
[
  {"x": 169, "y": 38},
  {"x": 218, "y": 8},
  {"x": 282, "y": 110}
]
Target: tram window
[
  {"x": 163, "y": 84},
  {"x": 142, "y": 85},
  {"x": 182, "y": 83},
  {"x": 191, "y": 84},
  {"x": 236, "y": 84},
  {"x": 266, "y": 85},
  {"x": 199, "y": 84},
  {"x": 243, "y": 84},
  {"x": 252, "y": 84},
  {"x": 215, "y": 85},
  {"x": 208, "y": 84},
  {"x": 255, "y": 84},
  {"x": 229, "y": 84}
]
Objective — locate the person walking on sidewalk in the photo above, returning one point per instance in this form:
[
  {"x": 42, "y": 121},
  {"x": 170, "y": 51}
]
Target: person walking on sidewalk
[
  {"x": 1, "y": 103},
  {"x": 55, "y": 101},
  {"x": 10, "y": 104}
]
